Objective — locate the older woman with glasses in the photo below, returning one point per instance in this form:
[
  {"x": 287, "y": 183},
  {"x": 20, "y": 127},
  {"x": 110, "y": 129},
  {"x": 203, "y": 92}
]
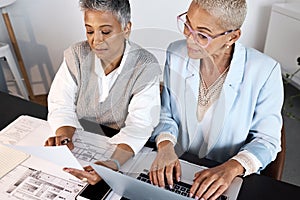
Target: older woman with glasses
[
  {"x": 108, "y": 80},
  {"x": 221, "y": 101}
]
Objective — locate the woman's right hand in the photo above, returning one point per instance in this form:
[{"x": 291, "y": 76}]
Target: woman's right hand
[
  {"x": 59, "y": 140},
  {"x": 63, "y": 136},
  {"x": 165, "y": 166}
]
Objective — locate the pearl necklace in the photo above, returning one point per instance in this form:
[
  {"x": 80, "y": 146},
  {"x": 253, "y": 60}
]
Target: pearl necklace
[{"x": 207, "y": 95}]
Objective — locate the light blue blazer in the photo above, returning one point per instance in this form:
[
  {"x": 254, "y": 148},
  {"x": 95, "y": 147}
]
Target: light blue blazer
[{"x": 247, "y": 114}]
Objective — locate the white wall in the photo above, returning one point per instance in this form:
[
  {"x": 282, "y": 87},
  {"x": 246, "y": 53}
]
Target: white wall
[
  {"x": 255, "y": 28},
  {"x": 44, "y": 28},
  {"x": 155, "y": 24}
]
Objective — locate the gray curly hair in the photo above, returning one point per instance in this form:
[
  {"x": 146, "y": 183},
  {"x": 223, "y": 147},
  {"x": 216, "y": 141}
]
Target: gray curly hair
[
  {"x": 231, "y": 14},
  {"x": 120, "y": 8}
]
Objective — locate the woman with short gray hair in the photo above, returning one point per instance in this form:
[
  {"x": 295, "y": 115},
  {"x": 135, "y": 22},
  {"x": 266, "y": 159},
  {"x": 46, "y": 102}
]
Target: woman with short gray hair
[
  {"x": 108, "y": 80},
  {"x": 221, "y": 101}
]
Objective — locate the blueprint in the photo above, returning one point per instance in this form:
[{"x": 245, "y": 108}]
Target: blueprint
[{"x": 41, "y": 175}]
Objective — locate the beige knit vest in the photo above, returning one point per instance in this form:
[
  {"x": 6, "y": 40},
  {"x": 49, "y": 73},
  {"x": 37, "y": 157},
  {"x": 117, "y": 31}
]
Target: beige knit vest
[{"x": 139, "y": 69}]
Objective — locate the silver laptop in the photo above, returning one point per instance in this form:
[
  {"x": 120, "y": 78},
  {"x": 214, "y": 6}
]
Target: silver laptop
[{"x": 129, "y": 185}]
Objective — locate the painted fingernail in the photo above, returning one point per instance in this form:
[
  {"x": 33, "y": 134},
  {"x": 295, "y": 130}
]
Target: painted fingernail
[
  {"x": 84, "y": 179},
  {"x": 196, "y": 197},
  {"x": 171, "y": 186},
  {"x": 191, "y": 194}
]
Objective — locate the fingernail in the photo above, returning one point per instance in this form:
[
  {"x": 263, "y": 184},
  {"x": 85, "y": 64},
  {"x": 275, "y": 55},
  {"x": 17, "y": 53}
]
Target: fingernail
[
  {"x": 66, "y": 169},
  {"x": 171, "y": 186},
  {"x": 178, "y": 179},
  {"x": 196, "y": 197},
  {"x": 191, "y": 194},
  {"x": 202, "y": 198},
  {"x": 84, "y": 180}
]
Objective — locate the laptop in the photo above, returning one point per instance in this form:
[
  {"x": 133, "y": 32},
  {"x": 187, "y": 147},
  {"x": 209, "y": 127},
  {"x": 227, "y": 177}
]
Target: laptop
[{"x": 134, "y": 185}]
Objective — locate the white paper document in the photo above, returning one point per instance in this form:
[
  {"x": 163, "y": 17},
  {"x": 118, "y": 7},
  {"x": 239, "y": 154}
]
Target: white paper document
[
  {"x": 10, "y": 158},
  {"x": 41, "y": 176},
  {"x": 37, "y": 179},
  {"x": 58, "y": 155},
  {"x": 90, "y": 147},
  {"x": 26, "y": 130}
]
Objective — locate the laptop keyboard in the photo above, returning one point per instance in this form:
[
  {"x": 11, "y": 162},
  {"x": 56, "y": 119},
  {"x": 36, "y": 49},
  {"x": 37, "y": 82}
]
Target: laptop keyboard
[{"x": 178, "y": 187}]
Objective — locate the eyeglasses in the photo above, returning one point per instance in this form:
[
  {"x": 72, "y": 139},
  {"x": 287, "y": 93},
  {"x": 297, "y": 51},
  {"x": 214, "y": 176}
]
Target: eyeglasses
[{"x": 201, "y": 39}]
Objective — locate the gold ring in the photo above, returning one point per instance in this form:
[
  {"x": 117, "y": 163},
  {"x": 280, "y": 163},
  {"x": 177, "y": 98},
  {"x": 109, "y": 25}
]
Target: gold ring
[{"x": 84, "y": 179}]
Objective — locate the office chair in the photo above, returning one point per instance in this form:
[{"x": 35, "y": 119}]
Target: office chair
[{"x": 275, "y": 168}]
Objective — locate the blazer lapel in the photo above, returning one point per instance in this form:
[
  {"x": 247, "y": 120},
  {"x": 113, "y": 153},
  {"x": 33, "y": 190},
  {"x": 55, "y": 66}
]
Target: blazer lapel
[
  {"x": 191, "y": 95},
  {"x": 228, "y": 95}
]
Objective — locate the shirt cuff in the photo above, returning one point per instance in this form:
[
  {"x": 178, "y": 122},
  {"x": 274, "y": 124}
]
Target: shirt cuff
[
  {"x": 56, "y": 123},
  {"x": 165, "y": 136},
  {"x": 250, "y": 163}
]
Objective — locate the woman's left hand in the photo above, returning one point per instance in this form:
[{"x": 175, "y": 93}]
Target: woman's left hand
[
  {"x": 89, "y": 174},
  {"x": 211, "y": 183}
]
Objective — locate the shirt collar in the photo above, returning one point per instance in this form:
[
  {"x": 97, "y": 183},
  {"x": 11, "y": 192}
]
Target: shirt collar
[{"x": 99, "y": 69}]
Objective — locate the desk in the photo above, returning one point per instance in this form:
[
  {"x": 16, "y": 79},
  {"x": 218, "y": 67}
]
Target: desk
[
  {"x": 12, "y": 107},
  {"x": 254, "y": 186}
]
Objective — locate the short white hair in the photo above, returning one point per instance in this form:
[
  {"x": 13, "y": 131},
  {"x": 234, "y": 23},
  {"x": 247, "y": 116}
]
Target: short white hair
[{"x": 231, "y": 14}]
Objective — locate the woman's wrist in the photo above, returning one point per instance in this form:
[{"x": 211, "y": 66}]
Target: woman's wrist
[
  {"x": 165, "y": 144},
  {"x": 236, "y": 167},
  {"x": 65, "y": 131},
  {"x": 165, "y": 136},
  {"x": 114, "y": 164}
]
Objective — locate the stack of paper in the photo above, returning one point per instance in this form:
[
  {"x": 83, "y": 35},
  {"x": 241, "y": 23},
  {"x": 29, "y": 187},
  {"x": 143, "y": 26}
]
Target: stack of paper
[{"x": 10, "y": 158}]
